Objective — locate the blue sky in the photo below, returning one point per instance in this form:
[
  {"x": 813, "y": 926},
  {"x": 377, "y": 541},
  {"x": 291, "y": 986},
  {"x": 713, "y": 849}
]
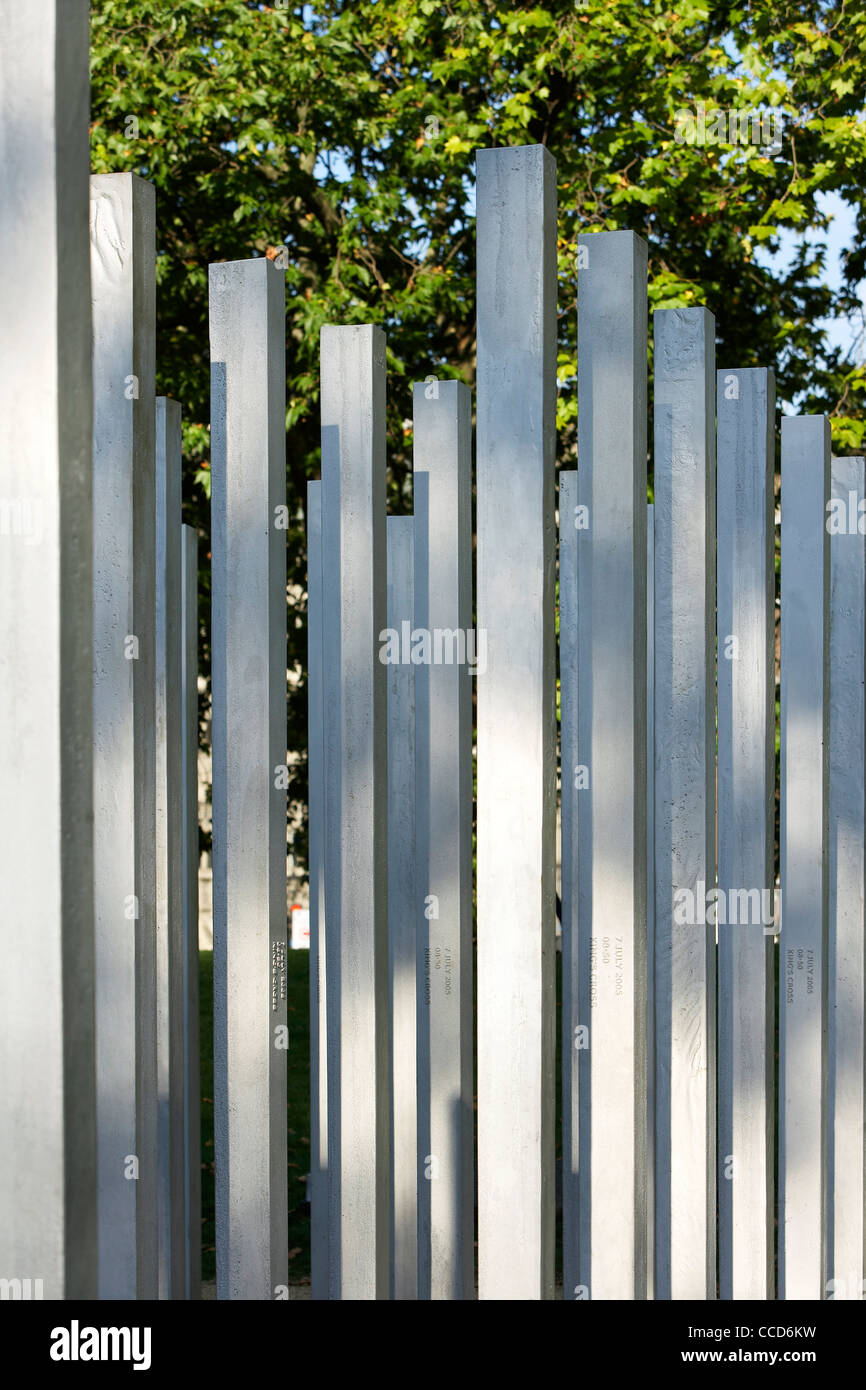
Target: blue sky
[{"x": 839, "y": 238}]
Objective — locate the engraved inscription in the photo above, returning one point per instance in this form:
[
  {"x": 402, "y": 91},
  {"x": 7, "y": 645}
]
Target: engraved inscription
[
  {"x": 606, "y": 951},
  {"x": 799, "y": 972},
  {"x": 278, "y": 974}
]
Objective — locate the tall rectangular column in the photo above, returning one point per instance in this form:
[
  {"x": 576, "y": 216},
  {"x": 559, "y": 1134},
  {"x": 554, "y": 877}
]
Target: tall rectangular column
[
  {"x": 442, "y": 413},
  {"x": 803, "y": 844},
  {"x": 356, "y": 792},
  {"x": 169, "y": 853},
  {"x": 190, "y": 862},
  {"x": 846, "y": 980},
  {"x": 650, "y": 902},
  {"x": 611, "y": 745},
  {"x": 516, "y": 414},
  {"x": 123, "y": 272},
  {"x": 747, "y": 774},
  {"x": 318, "y": 993},
  {"x": 685, "y": 748},
  {"x": 574, "y": 1035},
  {"x": 403, "y": 927},
  {"x": 48, "y": 1220},
  {"x": 248, "y": 467}
]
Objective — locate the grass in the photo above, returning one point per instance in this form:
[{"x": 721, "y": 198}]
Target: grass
[{"x": 298, "y": 1112}]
